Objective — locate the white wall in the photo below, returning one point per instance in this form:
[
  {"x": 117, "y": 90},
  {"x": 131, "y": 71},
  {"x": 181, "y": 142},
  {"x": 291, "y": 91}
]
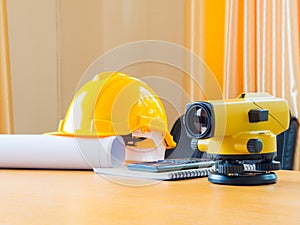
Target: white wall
[
  {"x": 33, "y": 51},
  {"x": 54, "y": 41}
]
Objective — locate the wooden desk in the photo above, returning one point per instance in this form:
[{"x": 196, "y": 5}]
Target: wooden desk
[{"x": 82, "y": 197}]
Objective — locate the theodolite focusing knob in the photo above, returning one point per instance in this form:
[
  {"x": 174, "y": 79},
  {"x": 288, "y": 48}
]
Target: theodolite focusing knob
[{"x": 254, "y": 145}]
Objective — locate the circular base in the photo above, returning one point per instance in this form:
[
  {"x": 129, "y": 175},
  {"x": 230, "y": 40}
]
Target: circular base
[{"x": 244, "y": 179}]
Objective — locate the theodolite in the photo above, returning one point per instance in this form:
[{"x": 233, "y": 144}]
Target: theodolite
[{"x": 236, "y": 132}]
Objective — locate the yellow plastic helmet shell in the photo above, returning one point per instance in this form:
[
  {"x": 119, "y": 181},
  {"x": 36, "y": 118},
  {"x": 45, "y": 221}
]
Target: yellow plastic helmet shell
[{"x": 114, "y": 104}]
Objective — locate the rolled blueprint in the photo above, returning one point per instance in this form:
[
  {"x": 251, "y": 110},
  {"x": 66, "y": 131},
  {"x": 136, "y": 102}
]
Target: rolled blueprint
[{"x": 57, "y": 152}]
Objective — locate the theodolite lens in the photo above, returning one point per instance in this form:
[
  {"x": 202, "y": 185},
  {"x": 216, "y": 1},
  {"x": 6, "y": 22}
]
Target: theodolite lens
[{"x": 198, "y": 120}]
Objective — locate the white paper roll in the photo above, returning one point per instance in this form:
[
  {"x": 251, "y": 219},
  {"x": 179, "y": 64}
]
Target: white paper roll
[{"x": 56, "y": 152}]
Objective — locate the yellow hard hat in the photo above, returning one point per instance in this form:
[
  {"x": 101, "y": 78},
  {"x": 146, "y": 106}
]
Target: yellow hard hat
[{"x": 114, "y": 104}]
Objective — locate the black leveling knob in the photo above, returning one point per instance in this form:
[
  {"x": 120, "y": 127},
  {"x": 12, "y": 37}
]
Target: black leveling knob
[
  {"x": 268, "y": 166},
  {"x": 254, "y": 145},
  {"x": 230, "y": 168}
]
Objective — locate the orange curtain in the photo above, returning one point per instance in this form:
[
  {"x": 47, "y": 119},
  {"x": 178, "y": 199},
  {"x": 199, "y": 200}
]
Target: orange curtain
[
  {"x": 6, "y": 114},
  {"x": 203, "y": 25},
  {"x": 250, "y": 45}
]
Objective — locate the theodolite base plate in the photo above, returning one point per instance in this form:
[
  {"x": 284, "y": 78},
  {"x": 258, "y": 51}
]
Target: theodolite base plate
[{"x": 244, "y": 179}]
